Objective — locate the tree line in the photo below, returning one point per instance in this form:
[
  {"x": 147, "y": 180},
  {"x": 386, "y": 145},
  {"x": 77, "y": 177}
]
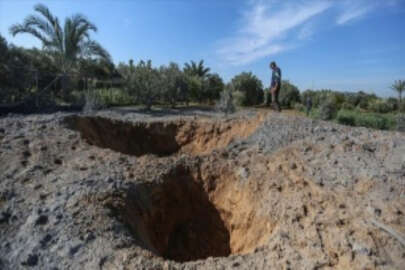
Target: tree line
[{"x": 71, "y": 63}]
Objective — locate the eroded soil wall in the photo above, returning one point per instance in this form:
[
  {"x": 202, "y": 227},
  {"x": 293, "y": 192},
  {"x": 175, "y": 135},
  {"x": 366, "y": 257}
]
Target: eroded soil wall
[{"x": 162, "y": 138}]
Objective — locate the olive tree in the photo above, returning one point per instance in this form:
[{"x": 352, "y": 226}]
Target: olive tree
[
  {"x": 174, "y": 84},
  {"x": 215, "y": 85},
  {"x": 145, "y": 84},
  {"x": 248, "y": 87}
]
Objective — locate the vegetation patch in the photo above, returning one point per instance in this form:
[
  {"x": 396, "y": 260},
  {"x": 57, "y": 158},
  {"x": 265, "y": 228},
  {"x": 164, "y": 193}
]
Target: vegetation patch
[{"x": 370, "y": 120}]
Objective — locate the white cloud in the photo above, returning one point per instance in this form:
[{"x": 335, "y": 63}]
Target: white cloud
[
  {"x": 356, "y": 9},
  {"x": 353, "y": 10},
  {"x": 239, "y": 57},
  {"x": 270, "y": 27},
  {"x": 266, "y": 29}
]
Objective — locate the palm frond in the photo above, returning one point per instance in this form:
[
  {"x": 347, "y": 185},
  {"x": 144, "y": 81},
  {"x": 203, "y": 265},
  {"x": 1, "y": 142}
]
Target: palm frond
[
  {"x": 65, "y": 44},
  {"x": 58, "y": 35},
  {"x": 42, "y": 9},
  {"x": 81, "y": 28},
  {"x": 92, "y": 48},
  {"x": 19, "y": 28},
  {"x": 398, "y": 86},
  {"x": 76, "y": 30},
  {"x": 79, "y": 20},
  {"x": 35, "y": 21},
  {"x": 71, "y": 48}
]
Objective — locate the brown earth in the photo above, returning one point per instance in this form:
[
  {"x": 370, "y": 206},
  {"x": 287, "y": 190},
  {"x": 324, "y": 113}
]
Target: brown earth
[
  {"x": 163, "y": 138},
  {"x": 264, "y": 191}
]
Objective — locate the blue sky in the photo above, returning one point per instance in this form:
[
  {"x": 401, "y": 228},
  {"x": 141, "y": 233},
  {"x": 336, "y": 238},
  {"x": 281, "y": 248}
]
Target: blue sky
[{"x": 346, "y": 45}]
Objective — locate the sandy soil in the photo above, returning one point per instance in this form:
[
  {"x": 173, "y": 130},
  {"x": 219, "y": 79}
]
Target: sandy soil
[{"x": 194, "y": 189}]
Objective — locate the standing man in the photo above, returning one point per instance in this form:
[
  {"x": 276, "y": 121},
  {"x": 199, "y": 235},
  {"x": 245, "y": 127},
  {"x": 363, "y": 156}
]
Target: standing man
[{"x": 275, "y": 86}]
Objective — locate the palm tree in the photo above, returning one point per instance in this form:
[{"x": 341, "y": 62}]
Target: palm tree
[
  {"x": 194, "y": 69},
  {"x": 399, "y": 86},
  {"x": 66, "y": 44}
]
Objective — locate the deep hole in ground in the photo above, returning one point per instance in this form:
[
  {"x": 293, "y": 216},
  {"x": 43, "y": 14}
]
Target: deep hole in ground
[
  {"x": 161, "y": 138},
  {"x": 187, "y": 216}
]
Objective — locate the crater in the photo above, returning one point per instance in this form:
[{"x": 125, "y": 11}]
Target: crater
[
  {"x": 189, "y": 213},
  {"x": 188, "y": 216},
  {"x": 161, "y": 138}
]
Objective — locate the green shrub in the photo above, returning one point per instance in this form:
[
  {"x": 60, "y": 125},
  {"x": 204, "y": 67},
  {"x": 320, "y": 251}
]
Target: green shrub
[
  {"x": 347, "y": 106},
  {"x": 299, "y": 107},
  {"x": 365, "y": 100},
  {"x": 352, "y": 99},
  {"x": 328, "y": 109},
  {"x": 337, "y": 99},
  {"x": 320, "y": 97},
  {"x": 109, "y": 97},
  {"x": 370, "y": 120},
  {"x": 115, "y": 97},
  {"x": 346, "y": 117},
  {"x": 380, "y": 106},
  {"x": 120, "y": 97},
  {"x": 315, "y": 113},
  {"x": 374, "y": 121},
  {"x": 289, "y": 94}
]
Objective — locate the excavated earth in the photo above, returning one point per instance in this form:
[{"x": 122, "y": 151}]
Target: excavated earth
[{"x": 255, "y": 190}]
